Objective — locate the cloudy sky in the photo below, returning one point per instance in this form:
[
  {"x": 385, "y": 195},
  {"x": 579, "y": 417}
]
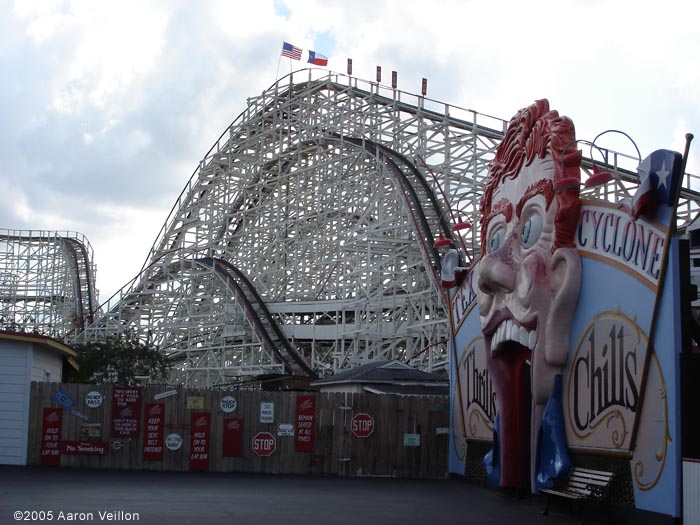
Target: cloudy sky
[{"x": 106, "y": 107}]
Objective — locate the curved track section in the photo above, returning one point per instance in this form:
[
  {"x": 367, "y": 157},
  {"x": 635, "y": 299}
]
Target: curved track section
[
  {"x": 47, "y": 282},
  {"x": 266, "y": 326},
  {"x": 210, "y": 323},
  {"x": 326, "y": 194}
]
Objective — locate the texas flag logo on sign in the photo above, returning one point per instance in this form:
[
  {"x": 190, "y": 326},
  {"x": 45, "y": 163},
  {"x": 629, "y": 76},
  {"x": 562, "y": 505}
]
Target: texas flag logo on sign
[{"x": 659, "y": 177}]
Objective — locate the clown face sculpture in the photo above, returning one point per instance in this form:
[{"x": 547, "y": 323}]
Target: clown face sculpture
[{"x": 529, "y": 278}]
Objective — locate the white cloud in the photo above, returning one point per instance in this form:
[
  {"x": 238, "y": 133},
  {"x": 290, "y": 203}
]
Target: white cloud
[
  {"x": 121, "y": 248},
  {"x": 14, "y": 201},
  {"x": 136, "y": 141},
  {"x": 108, "y": 106},
  {"x": 101, "y": 51}
]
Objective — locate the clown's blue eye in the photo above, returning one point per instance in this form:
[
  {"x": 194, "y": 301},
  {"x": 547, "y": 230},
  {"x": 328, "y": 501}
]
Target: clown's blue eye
[
  {"x": 496, "y": 240},
  {"x": 532, "y": 230}
]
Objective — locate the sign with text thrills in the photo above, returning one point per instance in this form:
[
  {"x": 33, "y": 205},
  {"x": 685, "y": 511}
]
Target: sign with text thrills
[
  {"x": 51, "y": 437},
  {"x": 233, "y": 438},
  {"x": 86, "y": 448},
  {"x": 305, "y": 415},
  {"x": 478, "y": 395},
  {"x": 126, "y": 411},
  {"x": 200, "y": 427},
  {"x": 154, "y": 430}
]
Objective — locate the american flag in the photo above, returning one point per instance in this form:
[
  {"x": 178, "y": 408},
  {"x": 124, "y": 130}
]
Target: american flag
[{"x": 288, "y": 50}]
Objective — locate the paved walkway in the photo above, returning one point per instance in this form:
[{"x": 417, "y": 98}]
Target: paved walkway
[{"x": 160, "y": 498}]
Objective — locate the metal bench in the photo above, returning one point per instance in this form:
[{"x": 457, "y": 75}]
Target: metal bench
[{"x": 581, "y": 485}]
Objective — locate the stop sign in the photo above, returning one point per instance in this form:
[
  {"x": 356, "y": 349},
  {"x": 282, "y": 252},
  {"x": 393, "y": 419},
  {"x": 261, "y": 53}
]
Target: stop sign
[
  {"x": 264, "y": 444},
  {"x": 362, "y": 425}
]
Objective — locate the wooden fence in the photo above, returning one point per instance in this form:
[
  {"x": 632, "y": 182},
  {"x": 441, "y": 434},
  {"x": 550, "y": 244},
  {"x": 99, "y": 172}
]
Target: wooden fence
[{"x": 138, "y": 428}]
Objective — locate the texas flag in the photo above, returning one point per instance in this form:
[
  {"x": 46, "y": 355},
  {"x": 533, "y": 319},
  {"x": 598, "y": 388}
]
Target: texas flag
[
  {"x": 317, "y": 59},
  {"x": 659, "y": 176}
]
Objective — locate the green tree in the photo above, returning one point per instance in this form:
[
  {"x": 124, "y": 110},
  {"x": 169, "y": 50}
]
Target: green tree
[{"x": 119, "y": 359}]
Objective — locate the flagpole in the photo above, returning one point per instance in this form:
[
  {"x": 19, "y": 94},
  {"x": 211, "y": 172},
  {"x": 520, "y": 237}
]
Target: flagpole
[
  {"x": 651, "y": 335},
  {"x": 290, "y": 51}
]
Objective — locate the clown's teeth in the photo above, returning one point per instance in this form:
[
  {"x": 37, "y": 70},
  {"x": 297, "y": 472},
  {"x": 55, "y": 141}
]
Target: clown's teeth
[
  {"x": 514, "y": 333},
  {"x": 497, "y": 337},
  {"x": 532, "y": 339},
  {"x": 523, "y": 336},
  {"x": 509, "y": 331}
]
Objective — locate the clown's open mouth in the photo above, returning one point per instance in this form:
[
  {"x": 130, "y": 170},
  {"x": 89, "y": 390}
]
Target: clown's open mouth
[
  {"x": 509, "y": 331},
  {"x": 502, "y": 330},
  {"x": 510, "y": 346}
]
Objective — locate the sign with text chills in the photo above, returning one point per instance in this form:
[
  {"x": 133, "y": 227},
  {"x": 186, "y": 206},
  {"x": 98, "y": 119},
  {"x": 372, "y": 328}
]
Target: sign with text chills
[
  {"x": 604, "y": 381},
  {"x": 565, "y": 330}
]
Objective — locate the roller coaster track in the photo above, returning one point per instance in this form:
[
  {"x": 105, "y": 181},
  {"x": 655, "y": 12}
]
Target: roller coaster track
[
  {"x": 413, "y": 190},
  {"x": 83, "y": 279},
  {"x": 311, "y": 223},
  {"x": 413, "y": 187},
  {"x": 267, "y": 327},
  {"x": 48, "y": 282}
]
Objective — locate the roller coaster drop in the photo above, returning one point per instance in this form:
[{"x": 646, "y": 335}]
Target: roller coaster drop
[
  {"x": 47, "y": 282},
  {"x": 305, "y": 241}
]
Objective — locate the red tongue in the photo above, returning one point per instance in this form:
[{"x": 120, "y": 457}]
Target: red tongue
[{"x": 512, "y": 375}]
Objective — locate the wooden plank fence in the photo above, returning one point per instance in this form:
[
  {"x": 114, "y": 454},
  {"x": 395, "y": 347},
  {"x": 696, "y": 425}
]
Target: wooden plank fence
[{"x": 409, "y": 436}]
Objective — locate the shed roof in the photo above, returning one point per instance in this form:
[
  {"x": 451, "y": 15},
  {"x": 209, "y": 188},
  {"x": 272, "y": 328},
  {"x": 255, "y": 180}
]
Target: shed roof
[
  {"x": 390, "y": 372},
  {"x": 44, "y": 341},
  {"x": 409, "y": 390}
]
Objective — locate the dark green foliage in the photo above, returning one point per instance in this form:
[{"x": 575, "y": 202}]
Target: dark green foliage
[
  {"x": 10, "y": 325},
  {"x": 119, "y": 360}
]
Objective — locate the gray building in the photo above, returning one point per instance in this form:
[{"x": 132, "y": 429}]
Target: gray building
[
  {"x": 24, "y": 358},
  {"x": 386, "y": 377}
]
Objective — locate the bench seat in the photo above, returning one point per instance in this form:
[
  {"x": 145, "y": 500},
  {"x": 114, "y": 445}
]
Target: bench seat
[{"x": 582, "y": 484}]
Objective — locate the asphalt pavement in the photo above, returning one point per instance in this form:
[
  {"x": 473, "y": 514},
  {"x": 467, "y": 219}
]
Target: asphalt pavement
[{"x": 43, "y": 495}]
